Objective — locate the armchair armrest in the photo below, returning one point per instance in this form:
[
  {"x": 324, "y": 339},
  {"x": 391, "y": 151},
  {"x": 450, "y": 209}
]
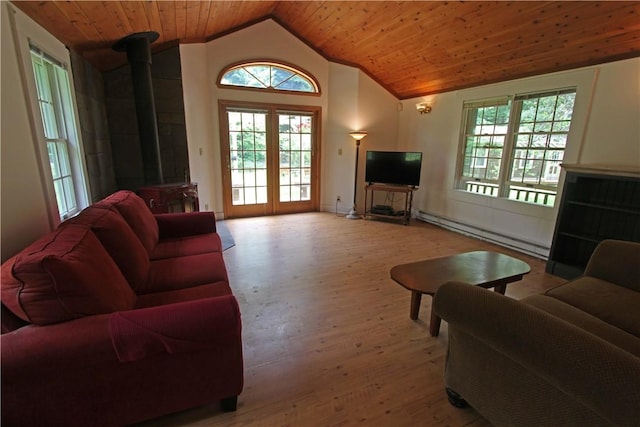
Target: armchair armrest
[
  {"x": 184, "y": 224},
  {"x": 616, "y": 261},
  {"x": 591, "y": 370}
]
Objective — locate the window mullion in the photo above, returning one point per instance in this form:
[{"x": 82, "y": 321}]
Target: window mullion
[
  {"x": 58, "y": 105},
  {"x": 509, "y": 149},
  {"x": 533, "y": 143},
  {"x": 466, "y": 113},
  {"x": 61, "y": 142}
]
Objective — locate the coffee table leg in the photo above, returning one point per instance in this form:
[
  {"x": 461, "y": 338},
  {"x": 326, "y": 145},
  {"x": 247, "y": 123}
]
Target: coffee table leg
[
  {"x": 434, "y": 323},
  {"x": 501, "y": 289},
  {"x": 416, "y": 297}
]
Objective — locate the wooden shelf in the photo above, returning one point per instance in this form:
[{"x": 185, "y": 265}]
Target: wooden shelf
[
  {"x": 596, "y": 205},
  {"x": 607, "y": 208},
  {"x": 405, "y": 217}
]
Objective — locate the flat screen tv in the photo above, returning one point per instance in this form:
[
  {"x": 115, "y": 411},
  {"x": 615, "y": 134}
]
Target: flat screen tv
[{"x": 393, "y": 167}]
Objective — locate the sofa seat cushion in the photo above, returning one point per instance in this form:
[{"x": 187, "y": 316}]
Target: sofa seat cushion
[
  {"x": 65, "y": 275},
  {"x": 587, "y": 322},
  {"x": 185, "y": 272},
  {"x": 119, "y": 240},
  {"x": 184, "y": 246},
  {"x": 608, "y": 302},
  {"x": 10, "y": 322},
  {"x": 137, "y": 214},
  {"x": 208, "y": 290}
]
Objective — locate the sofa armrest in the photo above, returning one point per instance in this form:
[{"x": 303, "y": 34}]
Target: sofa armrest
[
  {"x": 36, "y": 348},
  {"x": 616, "y": 261},
  {"x": 75, "y": 366},
  {"x": 185, "y": 224},
  {"x": 205, "y": 322},
  {"x": 174, "y": 328},
  {"x": 591, "y": 370}
]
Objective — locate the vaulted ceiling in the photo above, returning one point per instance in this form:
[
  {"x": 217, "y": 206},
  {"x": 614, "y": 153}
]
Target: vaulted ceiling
[{"x": 412, "y": 48}]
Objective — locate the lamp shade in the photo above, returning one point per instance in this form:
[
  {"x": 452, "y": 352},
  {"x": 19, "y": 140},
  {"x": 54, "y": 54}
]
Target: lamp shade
[{"x": 358, "y": 135}]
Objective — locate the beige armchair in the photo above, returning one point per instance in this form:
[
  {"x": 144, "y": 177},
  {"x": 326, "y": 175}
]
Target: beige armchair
[{"x": 568, "y": 357}]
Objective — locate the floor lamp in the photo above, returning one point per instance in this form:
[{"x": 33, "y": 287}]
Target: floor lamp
[{"x": 358, "y": 137}]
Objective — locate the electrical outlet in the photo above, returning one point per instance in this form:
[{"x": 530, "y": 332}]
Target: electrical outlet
[{"x": 338, "y": 198}]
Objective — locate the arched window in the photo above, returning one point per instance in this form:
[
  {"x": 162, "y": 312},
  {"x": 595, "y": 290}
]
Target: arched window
[{"x": 268, "y": 75}]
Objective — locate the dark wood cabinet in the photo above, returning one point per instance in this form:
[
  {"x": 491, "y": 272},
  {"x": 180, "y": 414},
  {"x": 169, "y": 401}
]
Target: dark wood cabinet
[
  {"x": 167, "y": 198},
  {"x": 597, "y": 203}
]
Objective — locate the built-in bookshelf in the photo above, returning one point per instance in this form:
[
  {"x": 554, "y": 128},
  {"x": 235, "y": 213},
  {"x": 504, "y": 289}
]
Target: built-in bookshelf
[{"x": 598, "y": 203}]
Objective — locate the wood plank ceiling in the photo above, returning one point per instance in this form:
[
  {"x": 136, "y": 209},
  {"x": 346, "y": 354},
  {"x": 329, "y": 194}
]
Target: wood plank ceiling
[{"x": 412, "y": 48}]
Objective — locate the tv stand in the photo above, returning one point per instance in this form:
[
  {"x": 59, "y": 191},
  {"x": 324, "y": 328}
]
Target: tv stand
[{"x": 404, "y": 216}]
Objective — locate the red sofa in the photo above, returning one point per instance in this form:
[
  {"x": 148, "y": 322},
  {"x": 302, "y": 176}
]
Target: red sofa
[{"x": 119, "y": 316}]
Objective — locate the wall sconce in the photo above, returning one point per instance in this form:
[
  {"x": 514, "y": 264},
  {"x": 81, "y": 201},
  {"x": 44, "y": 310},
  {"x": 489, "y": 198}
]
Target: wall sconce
[{"x": 423, "y": 108}]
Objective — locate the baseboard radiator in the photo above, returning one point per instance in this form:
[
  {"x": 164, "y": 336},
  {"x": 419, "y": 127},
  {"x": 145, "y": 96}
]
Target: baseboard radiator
[{"x": 535, "y": 250}]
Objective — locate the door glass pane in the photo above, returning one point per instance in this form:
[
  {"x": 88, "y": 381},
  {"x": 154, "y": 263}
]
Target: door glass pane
[
  {"x": 266, "y": 145},
  {"x": 306, "y": 176},
  {"x": 248, "y": 157},
  {"x": 295, "y": 144},
  {"x": 285, "y": 193},
  {"x": 261, "y": 195}
]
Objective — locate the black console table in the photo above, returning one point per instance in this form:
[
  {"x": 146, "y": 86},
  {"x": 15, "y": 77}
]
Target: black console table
[{"x": 404, "y": 216}]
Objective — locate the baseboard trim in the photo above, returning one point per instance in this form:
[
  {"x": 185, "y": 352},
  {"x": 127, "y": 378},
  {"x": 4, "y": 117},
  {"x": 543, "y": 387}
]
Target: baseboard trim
[{"x": 535, "y": 250}]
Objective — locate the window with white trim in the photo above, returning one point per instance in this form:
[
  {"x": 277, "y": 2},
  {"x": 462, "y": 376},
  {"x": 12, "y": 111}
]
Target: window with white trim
[
  {"x": 60, "y": 133},
  {"x": 265, "y": 75},
  {"x": 512, "y": 147}
]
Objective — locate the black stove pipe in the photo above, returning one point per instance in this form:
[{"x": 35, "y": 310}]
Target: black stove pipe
[{"x": 138, "y": 50}]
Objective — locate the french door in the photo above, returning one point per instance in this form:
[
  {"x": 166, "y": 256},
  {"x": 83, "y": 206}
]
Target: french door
[{"x": 270, "y": 159}]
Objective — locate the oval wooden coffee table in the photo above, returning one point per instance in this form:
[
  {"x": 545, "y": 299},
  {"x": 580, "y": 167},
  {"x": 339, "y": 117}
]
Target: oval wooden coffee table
[{"x": 480, "y": 268}]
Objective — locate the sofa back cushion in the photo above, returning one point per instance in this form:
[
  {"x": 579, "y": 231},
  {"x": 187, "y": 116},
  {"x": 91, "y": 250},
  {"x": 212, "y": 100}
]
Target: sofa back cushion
[
  {"x": 119, "y": 240},
  {"x": 65, "y": 275},
  {"x": 137, "y": 214},
  {"x": 616, "y": 261}
]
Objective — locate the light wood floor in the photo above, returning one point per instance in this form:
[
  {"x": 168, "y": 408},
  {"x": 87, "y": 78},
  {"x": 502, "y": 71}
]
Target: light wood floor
[{"x": 327, "y": 335}]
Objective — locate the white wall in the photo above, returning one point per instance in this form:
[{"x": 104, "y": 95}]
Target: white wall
[
  {"x": 613, "y": 133},
  {"x": 605, "y": 130},
  {"x": 356, "y": 102},
  {"x": 349, "y": 99},
  {"x": 378, "y": 110},
  {"x": 23, "y": 205},
  {"x": 201, "y": 65},
  {"x": 608, "y": 100},
  {"x": 339, "y": 150}
]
